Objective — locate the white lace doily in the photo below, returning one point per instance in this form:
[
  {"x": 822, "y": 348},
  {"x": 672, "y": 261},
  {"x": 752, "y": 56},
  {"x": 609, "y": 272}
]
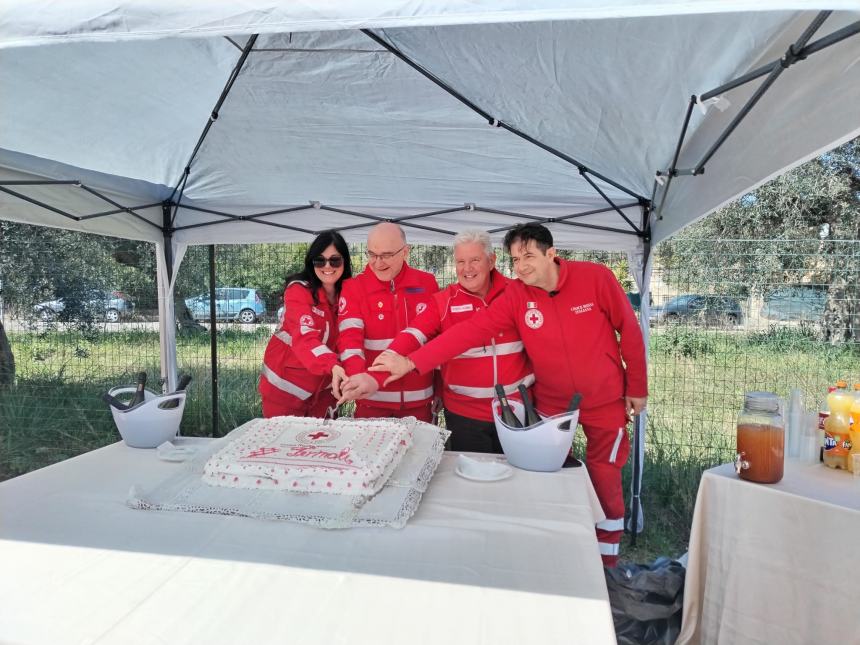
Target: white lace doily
[{"x": 392, "y": 506}]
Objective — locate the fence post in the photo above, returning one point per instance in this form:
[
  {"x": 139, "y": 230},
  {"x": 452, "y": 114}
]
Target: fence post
[{"x": 213, "y": 341}]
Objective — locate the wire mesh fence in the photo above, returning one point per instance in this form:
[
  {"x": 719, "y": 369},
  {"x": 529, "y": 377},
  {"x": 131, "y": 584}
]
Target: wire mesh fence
[{"x": 726, "y": 317}]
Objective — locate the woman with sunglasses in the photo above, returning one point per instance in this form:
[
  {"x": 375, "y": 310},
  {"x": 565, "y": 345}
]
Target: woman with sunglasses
[{"x": 297, "y": 365}]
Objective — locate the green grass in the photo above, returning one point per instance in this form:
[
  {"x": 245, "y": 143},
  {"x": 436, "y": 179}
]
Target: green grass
[{"x": 697, "y": 380}]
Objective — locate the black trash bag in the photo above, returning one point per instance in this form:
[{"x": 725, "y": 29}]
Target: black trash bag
[{"x": 647, "y": 601}]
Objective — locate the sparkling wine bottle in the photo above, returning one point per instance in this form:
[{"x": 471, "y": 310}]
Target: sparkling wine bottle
[
  {"x": 114, "y": 402},
  {"x": 139, "y": 396},
  {"x": 508, "y": 415},
  {"x": 572, "y": 406},
  {"x": 184, "y": 380},
  {"x": 532, "y": 417}
]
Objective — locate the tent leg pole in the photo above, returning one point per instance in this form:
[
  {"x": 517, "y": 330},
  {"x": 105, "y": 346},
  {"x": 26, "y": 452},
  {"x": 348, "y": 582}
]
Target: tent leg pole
[
  {"x": 166, "y": 313},
  {"x": 634, "y": 523},
  {"x": 640, "y": 421},
  {"x": 213, "y": 341}
]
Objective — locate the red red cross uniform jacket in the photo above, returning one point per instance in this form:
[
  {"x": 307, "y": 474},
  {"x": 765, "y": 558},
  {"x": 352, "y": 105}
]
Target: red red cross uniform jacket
[
  {"x": 370, "y": 314},
  {"x": 468, "y": 379},
  {"x": 570, "y": 338},
  {"x": 298, "y": 359}
]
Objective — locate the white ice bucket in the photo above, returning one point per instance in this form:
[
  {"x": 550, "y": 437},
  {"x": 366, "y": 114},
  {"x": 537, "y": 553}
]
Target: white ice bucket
[
  {"x": 543, "y": 446},
  {"x": 149, "y": 424}
]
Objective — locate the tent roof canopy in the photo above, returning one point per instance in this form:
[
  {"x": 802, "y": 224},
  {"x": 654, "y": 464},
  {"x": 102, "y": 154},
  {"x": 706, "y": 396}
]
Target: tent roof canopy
[{"x": 481, "y": 114}]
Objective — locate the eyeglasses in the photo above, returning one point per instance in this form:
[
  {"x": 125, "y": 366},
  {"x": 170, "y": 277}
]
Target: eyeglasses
[
  {"x": 334, "y": 261},
  {"x": 373, "y": 257}
]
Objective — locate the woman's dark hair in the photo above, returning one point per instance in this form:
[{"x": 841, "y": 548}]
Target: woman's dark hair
[
  {"x": 525, "y": 233},
  {"x": 320, "y": 244}
]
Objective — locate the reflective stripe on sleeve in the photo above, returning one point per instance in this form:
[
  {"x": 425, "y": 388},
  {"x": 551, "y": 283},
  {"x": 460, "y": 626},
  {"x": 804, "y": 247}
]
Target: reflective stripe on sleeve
[
  {"x": 350, "y": 323},
  {"x": 419, "y": 336},
  {"x": 284, "y": 336},
  {"x": 319, "y": 350},
  {"x": 284, "y": 384},
  {"x": 501, "y": 349},
  {"x": 608, "y": 549},
  {"x": 377, "y": 344},
  {"x": 349, "y": 353},
  {"x": 611, "y": 525},
  {"x": 489, "y": 392},
  {"x": 408, "y": 395}
]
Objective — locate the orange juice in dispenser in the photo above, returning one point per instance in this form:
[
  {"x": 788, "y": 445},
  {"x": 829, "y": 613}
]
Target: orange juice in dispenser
[{"x": 837, "y": 427}]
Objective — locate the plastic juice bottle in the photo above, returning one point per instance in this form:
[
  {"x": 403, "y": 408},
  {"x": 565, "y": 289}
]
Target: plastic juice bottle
[
  {"x": 855, "y": 426},
  {"x": 823, "y": 413},
  {"x": 855, "y": 408},
  {"x": 837, "y": 427}
]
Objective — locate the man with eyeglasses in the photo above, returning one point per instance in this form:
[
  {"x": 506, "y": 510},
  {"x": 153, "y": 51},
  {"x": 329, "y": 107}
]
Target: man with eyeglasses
[
  {"x": 468, "y": 380},
  {"x": 374, "y": 307}
]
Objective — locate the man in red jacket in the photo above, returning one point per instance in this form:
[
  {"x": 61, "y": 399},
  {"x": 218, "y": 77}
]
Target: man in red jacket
[
  {"x": 373, "y": 308},
  {"x": 468, "y": 379},
  {"x": 567, "y": 314}
]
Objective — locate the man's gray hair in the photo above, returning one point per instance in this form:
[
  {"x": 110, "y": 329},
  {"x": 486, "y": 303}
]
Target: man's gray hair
[{"x": 474, "y": 235}]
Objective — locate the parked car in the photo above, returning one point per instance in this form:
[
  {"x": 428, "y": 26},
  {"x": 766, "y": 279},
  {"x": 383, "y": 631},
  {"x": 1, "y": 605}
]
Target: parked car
[
  {"x": 111, "y": 305},
  {"x": 635, "y": 300},
  {"x": 231, "y": 303},
  {"x": 804, "y": 303},
  {"x": 702, "y": 309}
]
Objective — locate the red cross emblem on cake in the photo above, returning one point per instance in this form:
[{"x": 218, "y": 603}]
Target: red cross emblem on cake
[{"x": 317, "y": 436}]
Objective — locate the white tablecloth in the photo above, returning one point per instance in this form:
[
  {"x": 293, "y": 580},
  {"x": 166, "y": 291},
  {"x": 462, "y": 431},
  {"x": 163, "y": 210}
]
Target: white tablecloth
[
  {"x": 514, "y": 561},
  {"x": 774, "y": 563}
]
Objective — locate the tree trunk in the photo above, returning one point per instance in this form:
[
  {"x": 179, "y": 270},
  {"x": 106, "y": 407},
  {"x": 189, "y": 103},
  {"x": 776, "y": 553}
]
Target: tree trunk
[
  {"x": 7, "y": 360},
  {"x": 841, "y": 323},
  {"x": 184, "y": 320}
]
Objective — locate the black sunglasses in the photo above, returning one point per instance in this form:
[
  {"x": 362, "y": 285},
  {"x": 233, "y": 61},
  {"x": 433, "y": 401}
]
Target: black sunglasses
[{"x": 334, "y": 261}]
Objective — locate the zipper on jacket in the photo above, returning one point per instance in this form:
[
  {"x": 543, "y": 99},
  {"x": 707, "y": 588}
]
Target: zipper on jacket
[
  {"x": 396, "y": 309},
  {"x": 495, "y": 355},
  {"x": 564, "y": 342}
]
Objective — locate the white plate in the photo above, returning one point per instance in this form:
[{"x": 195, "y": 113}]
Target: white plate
[{"x": 478, "y": 478}]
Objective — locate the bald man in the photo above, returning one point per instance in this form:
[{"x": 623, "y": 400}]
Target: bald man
[{"x": 376, "y": 305}]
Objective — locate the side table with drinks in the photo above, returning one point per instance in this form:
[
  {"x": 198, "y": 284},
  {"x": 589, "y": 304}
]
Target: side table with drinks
[{"x": 769, "y": 557}]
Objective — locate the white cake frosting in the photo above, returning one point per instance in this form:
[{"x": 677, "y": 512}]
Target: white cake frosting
[{"x": 303, "y": 454}]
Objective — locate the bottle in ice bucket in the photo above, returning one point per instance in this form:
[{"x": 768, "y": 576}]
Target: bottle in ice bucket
[
  {"x": 761, "y": 439},
  {"x": 507, "y": 413},
  {"x": 837, "y": 427}
]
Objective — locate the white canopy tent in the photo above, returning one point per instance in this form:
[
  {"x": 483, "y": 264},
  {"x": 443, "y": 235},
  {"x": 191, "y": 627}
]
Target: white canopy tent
[{"x": 225, "y": 122}]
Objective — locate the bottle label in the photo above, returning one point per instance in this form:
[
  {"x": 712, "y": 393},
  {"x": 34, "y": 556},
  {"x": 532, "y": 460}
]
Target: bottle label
[{"x": 836, "y": 445}]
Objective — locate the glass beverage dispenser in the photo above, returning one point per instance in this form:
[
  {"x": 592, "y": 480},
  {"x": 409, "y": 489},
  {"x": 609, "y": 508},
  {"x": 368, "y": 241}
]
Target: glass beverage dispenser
[{"x": 760, "y": 439}]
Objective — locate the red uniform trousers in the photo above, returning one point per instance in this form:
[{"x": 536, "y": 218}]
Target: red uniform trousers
[
  {"x": 606, "y": 452},
  {"x": 288, "y": 405},
  {"x": 365, "y": 411}
]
